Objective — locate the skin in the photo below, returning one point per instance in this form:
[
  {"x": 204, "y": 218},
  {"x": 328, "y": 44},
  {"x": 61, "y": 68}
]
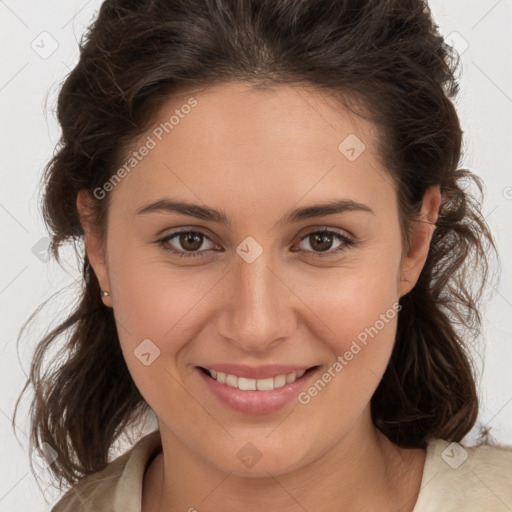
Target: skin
[{"x": 256, "y": 154}]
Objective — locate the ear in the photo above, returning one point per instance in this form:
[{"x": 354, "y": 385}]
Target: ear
[
  {"x": 420, "y": 236},
  {"x": 94, "y": 244}
]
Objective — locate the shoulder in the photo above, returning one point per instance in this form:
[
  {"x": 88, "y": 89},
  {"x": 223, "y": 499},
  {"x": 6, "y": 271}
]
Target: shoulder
[
  {"x": 118, "y": 487},
  {"x": 469, "y": 478}
]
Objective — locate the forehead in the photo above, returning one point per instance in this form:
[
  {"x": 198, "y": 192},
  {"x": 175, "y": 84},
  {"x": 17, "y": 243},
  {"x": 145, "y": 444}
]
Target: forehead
[
  {"x": 235, "y": 141},
  {"x": 259, "y": 116}
]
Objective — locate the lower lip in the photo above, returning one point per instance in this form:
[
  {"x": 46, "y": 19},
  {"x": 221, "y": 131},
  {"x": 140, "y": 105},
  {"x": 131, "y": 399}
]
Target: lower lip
[{"x": 257, "y": 402}]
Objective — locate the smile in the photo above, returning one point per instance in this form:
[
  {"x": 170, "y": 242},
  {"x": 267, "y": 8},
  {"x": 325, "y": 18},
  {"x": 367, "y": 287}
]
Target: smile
[{"x": 245, "y": 384}]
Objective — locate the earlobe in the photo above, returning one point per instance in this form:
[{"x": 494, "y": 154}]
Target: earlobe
[
  {"x": 420, "y": 237},
  {"x": 94, "y": 244}
]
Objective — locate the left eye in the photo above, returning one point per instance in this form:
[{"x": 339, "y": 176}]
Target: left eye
[{"x": 191, "y": 241}]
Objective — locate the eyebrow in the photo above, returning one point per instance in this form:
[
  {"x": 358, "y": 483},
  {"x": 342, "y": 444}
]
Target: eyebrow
[{"x": 211, "y": 214}]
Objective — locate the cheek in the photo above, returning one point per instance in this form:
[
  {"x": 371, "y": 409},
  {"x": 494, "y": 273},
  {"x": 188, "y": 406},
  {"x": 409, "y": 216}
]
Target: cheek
[
  {"x": 361, "y": 316},
  {"x": 155, "y": 301},
  {"x": 355, "y": 302}
]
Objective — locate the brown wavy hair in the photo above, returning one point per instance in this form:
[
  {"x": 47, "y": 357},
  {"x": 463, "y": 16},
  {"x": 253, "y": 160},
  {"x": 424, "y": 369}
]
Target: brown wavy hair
[{"x": 383, "y": 58}]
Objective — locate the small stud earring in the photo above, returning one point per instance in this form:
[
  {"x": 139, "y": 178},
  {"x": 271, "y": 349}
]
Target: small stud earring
[{"x": 105, "y": 294}]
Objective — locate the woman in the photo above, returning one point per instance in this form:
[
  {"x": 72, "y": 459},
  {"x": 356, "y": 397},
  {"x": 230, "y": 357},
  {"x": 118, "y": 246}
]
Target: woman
[{"x": 276, "y": 244}]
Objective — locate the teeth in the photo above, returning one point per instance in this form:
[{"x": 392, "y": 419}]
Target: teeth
[{"x": 246, "y": 384}]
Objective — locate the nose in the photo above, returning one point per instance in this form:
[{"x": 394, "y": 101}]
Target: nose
[{"x": 260, "y": 306}]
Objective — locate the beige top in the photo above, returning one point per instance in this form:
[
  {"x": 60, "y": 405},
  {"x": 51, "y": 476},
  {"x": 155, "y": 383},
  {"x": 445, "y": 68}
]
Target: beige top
[{"x": 455, "y": 479}]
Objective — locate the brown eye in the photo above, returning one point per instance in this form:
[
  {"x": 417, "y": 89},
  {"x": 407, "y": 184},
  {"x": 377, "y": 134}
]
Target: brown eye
[
  {"x": 322, "y": 242},
  {"x": 188, "y": 242}
]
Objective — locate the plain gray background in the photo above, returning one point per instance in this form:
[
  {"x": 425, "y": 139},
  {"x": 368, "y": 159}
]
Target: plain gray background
[{"x": 38, "y": 49}]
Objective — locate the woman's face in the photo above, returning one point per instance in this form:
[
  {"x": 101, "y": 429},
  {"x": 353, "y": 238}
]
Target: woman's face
[{"x": 261, "y": 285}]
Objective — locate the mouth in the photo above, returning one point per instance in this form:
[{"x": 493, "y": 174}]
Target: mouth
[
  {"x": 256, "y": 396},
  {"x": 248, "y": 384}
]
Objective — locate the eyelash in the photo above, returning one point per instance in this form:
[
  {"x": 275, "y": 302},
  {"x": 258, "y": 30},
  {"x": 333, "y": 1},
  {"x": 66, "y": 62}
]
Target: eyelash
[{"x": 346, "y": 243}]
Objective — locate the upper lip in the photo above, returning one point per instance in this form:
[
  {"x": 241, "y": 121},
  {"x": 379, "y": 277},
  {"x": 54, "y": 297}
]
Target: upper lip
[{"x": 258, "y": 372}]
